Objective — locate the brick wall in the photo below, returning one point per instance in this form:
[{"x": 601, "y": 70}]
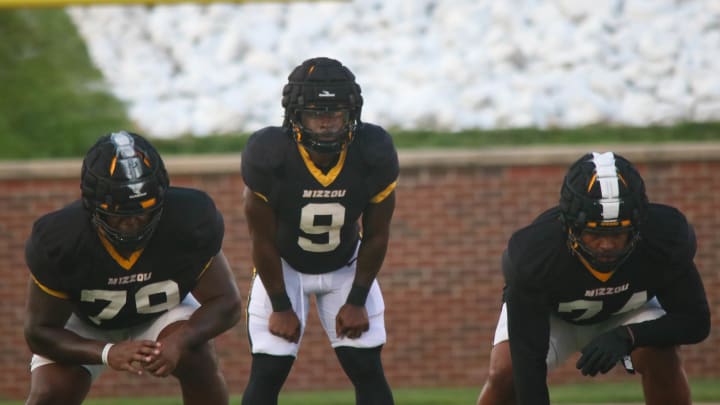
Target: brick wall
[{"x": 441, "y": 278}]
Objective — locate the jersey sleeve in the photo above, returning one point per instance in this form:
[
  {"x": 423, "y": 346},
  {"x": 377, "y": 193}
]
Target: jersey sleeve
[
  {"x": 381, "y": 158},
  {"x": 54, "y": 240},
  {"x": 262, "y": 156},
  {"x": 43, "y": 271},
  {"x": 206, "y": 226},
  {"x": 528, "y": 316},
  {"x": 210, "y": 231},
  {"x": 681, "y": 293},
  {"x": 195, "y": 229},
  {"x": 528, "y": 268}
]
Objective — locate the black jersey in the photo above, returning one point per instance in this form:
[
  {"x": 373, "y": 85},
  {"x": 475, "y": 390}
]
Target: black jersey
[
  {"x": 69, "y": 260},
  {"x": 317, "y": 212},
  {"x": 543, "y": 277}
]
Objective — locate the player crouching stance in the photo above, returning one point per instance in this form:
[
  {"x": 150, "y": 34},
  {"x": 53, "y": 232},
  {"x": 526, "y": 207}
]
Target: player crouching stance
[
  {"x": 607, "y": 274},
  {"x": 112, "y": 275}
]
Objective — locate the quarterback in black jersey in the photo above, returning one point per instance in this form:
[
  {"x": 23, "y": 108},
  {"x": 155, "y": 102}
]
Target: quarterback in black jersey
[
  {"x": 308, "y": 184},
  {"x": 605, "y": 273},
  {"x": 111, "y": 277}
]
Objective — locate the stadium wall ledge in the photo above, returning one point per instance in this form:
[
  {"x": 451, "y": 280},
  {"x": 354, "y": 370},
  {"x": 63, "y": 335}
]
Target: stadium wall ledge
[{"x": 486, "y": 157}]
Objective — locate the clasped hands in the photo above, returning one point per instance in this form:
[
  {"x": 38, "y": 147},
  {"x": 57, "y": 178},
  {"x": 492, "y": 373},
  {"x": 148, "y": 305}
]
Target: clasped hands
[{"x": 140, "y": 356}]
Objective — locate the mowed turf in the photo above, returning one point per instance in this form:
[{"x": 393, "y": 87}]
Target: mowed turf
[{"x": 705, "y": 392}]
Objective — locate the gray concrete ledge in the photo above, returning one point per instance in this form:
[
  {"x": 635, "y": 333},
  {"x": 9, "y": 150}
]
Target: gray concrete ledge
[{"x": 487, "y": 157}]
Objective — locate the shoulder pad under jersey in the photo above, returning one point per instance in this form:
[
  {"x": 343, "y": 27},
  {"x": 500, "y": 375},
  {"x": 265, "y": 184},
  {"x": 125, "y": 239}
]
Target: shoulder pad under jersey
[
  {"x": 376, "y": 145},
  {"x": 268, "y": 147},
  {"x": 531, "y": 249},
  {"x": 667, "y": 233},
  {"x": 190, "y": 220},
  {"x": 56, "y": 238},
  {"x": 265, "y": 152}
]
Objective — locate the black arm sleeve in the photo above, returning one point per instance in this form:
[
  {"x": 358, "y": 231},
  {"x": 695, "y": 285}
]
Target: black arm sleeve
[
  {"x": 682, "y": 296},
  {"x": 687, "y": 320},
  {"x": 529, "y": 331}
]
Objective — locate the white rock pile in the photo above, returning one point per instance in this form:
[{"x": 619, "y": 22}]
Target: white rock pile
[{"x": 423, "y": 64}]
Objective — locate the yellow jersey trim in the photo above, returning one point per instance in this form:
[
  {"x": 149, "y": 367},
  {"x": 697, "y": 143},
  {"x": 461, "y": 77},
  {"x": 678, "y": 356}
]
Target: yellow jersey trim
[
  {"x": 324, "y": 179},
  {"x": 379, "y": 197},
  {"x": 119, "y": 259},
  {"x": 598, "y": 275},
  {"x": 207, "y": 266},
  {"x": 54, "y": 293}
]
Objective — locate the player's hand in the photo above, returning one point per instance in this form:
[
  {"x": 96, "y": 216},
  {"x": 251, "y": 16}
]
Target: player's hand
[
  {"x": 285, "y": 324},
  {"x": 132, "y": 355},
  {"x": 351, "y": 321},
  {"x": 170, "y": 351},
  {"x": 605, "y": 351}
]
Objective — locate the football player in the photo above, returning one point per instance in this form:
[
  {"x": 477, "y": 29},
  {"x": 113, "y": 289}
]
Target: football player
[
  {"x": 605, "y": 273},
  {"x": 308, "y": 184},
  {"x": 112, "y": 277}
]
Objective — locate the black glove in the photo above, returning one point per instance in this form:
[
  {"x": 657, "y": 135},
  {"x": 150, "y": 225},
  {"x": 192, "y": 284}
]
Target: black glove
[{"x": 604, "y": 351}]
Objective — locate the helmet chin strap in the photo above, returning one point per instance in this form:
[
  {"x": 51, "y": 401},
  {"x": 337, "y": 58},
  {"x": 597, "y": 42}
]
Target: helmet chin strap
[
  {"x": 596, "y": 269},
  {"x": 602, "y": 276},
  {"x": 122, "y": 242},
  {"x": 305, "y": 137},
  {"x": 578, "y": 251},
  {"x": 125, "y": 259}
]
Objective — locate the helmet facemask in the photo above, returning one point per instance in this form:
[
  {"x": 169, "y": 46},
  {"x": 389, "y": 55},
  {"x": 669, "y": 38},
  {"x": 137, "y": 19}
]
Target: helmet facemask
[
  {"x": 603, "y": 195},
  {"x": 124, "y": 240},
  {"x": 123, "y": 176},
  {"x": 331, "y": 140},
  {"x": 603, "y": 262},
  {"x": 322, "y": 86}
]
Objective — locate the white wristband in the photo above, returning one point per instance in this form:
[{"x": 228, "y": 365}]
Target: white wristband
[{"x": 105, "y": 352}]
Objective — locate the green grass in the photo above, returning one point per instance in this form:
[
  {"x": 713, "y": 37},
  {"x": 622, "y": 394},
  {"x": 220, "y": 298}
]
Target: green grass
[
  {"x": 476, "y": 139},
  {"x": 705, "y": 390},
  {"x": 53, "y": 103},
  {"x": 697, "y": 132}
]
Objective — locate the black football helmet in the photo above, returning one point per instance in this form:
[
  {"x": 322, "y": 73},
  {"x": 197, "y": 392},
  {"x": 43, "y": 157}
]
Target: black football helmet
[
  {"x": 123, "y": 175},
  {"x": 325, "y": 85},
  {"x": 602, "y": 192}
]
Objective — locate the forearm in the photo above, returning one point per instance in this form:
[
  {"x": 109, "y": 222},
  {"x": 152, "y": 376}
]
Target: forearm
[
  {"x": 374, "y": 243},
  {"x": 371, "y": 255},
  {"x": 45, "y": 331},
  {"x": 687, "y": 320},
  {"x": 529, "y": 333},
  {"x": 370, "y": 258},
  {"x": 269, "y": 268},
  {"x": 211, "y": 319},
  {"x": 262, "y": 225},
  {"x": 672, "y": 329},
  {"x": 530, "y": 381},
  {"x": 63, "y": 346}
]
